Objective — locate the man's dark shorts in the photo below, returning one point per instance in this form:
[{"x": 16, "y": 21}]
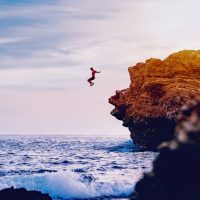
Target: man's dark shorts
[{"x": 91, "y": 79}]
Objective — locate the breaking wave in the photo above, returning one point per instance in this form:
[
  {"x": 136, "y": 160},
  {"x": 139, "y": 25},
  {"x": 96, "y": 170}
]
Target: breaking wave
[
  {"x": 72, "y": 167},
  {"x": 68, "y": 185}
]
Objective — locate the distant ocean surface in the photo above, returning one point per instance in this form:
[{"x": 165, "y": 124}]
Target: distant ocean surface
[{"x": 73, "y": 167}]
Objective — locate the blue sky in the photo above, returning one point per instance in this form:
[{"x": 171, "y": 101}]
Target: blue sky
[{"x": 48, "y": 46}]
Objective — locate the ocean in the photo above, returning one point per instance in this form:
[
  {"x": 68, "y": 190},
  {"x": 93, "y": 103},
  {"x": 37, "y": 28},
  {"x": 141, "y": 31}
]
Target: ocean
[{"x": 73, "y": 167}]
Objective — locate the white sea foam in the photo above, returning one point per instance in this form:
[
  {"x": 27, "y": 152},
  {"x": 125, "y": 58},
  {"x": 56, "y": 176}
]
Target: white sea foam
[
  {"x": 67, "y": 185},
  {"x": 68, "y": 167}
]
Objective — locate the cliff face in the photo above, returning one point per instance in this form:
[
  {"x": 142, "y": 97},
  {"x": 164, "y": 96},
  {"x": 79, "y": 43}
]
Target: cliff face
[
  {"x": 151, "y": 105},
  {"x": 176, "y": 174}
]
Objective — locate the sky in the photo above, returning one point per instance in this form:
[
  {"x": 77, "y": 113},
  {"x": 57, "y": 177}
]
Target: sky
[{"x": 48, "y": 46}]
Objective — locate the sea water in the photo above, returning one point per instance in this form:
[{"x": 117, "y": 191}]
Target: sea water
[{"x": 73, "y": 167}]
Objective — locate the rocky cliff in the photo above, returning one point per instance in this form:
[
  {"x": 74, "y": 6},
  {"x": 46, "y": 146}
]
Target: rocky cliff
[
  {"x": 176, "y": 174},
  {"x": 151, "y": 105}
]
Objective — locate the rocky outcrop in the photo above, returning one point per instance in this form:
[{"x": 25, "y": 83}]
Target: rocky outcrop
[
  {"x": 176, "y": 171},
  {"x": 22, "y": 194},
  {"x": 151, "y": 105}
]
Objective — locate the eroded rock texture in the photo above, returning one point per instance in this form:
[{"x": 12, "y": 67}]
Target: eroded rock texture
[{"x": 151, "y": 105}]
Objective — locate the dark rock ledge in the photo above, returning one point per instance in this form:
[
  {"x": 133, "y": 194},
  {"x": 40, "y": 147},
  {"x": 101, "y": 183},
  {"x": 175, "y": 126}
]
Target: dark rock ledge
[
  {"x": 176, "y": 171},
  {"x": 22, "y": 194}
]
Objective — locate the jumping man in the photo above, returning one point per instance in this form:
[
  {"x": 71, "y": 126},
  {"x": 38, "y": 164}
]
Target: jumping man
[{"x": 93, "y": 76}]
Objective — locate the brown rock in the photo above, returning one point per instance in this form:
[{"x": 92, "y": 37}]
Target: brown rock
[{"x": 151, "y": 105}]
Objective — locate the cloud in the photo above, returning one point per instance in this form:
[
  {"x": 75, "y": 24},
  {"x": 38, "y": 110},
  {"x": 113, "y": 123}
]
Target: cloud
[
  {"x": 47, "y": 47},
  {"x": 78, "y": 34},
  {"x": 11, "y": 40}
]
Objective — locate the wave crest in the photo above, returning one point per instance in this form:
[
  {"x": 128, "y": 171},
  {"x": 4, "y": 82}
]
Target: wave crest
[{"x": 67, "y": 185}]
